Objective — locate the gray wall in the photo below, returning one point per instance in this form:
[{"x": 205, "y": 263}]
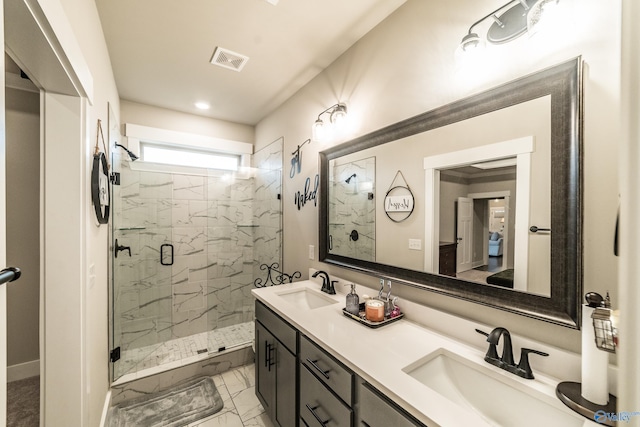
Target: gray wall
[
  {"x": 23, "y": 224},
  {"x": 407, "y": 65}
]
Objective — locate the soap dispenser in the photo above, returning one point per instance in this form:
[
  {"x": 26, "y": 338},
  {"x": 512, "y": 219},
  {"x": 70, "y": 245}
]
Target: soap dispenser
[{"x": 353, "y": 301}]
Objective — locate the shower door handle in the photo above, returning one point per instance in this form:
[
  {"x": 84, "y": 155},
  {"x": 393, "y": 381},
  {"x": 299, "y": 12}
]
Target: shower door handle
[{"x": 162, "y": 254}]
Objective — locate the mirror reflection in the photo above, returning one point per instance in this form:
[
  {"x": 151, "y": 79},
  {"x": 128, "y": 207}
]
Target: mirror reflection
[
  {"x": 477, "y": 217},
  {"x": 450, "y": 233},
  {"x": 352, "y": 211}
]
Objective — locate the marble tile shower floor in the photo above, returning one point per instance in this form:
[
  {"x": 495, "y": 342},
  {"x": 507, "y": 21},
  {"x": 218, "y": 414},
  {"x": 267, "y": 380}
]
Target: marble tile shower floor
[{"x": 184, "y": 350}]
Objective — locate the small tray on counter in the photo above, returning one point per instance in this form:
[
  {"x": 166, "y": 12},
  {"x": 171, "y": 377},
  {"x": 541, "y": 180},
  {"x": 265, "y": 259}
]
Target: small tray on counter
[{"x": 360, "y": 318}]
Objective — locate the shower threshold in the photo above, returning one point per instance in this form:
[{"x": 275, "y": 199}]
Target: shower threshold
[{"x": 150, "y": 360}]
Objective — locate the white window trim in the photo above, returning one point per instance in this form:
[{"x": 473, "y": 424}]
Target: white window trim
[{"x": 136, "y": 133}]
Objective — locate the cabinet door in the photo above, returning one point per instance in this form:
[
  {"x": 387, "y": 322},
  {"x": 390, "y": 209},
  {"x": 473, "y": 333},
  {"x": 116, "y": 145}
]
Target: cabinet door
[
  {"x": 285, "y": 387},
  {"x": 265, "y": 369}
]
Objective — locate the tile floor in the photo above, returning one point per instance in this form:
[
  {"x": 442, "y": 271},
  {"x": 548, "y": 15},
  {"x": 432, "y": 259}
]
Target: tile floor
[{"x": 241, "y": 406}]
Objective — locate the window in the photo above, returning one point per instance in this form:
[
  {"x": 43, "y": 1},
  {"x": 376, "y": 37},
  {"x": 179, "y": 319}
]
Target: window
[{"x": 180, "y": 156}]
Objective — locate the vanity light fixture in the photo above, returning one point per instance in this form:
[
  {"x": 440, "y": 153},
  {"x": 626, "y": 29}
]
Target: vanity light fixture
[
  {"x": 510, "y": 21},
  {"x": 337, "y": 115}
]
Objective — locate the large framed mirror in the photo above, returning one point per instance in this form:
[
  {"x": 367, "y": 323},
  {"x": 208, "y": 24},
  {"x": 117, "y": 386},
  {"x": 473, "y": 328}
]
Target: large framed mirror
[{"x": 497, "y": 211}]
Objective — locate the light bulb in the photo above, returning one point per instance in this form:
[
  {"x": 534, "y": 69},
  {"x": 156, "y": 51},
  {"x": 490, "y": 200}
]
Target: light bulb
[
  {"x": 318, "y": 130},
  {"x": 339, "y": 114}
]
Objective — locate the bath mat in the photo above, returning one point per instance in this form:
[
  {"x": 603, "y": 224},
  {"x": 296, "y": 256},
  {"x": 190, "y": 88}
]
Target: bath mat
[{"x": 183, "y": 404}]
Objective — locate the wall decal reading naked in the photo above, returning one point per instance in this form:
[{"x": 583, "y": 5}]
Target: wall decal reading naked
[{"x": 302, "y": 197}]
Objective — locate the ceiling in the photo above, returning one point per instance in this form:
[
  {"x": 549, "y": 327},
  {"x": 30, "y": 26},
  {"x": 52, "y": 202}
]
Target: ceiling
[{"x": 160, "y": 49}]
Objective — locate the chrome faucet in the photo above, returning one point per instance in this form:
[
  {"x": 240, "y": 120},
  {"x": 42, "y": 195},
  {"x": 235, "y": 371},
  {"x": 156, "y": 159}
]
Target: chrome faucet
[
  {"x": 327, "y": 284},
  {"x": 523, "y": 369}
]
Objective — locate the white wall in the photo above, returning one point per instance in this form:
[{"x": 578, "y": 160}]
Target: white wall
[
  {"x": 407, "y": 65},
  {"x": 86, "y": 28},
  {"x": 161, "y": 118}
]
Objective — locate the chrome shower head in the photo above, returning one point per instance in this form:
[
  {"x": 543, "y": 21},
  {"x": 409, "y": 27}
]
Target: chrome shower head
[{"x": 132, "y": 156}]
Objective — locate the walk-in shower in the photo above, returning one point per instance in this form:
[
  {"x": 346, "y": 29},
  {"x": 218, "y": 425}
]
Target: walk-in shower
[{"x": 189, "y": 247}]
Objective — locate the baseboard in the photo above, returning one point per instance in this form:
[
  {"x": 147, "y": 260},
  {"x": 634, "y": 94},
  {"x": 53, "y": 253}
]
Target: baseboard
[{"x": 23, "y": 370}]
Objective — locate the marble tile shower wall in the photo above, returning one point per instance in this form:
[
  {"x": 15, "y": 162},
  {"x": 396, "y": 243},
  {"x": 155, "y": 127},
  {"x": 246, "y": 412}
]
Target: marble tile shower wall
[
  {"x": 267, "y": 212},
  {"x": 352, "y": 209},
  {"x": 215, "y": 233}
]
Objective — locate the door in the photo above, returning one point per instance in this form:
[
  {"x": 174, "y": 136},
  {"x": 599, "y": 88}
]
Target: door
[
  {"x": 264, "y": 377},
  {"x": 464, "y": 234},
  {"x": 285, "y": 384}
]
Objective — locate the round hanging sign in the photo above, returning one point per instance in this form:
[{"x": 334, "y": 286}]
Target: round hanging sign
[
  {"x": 100, "y": 191},
  {"x": 398, "y": 203}
]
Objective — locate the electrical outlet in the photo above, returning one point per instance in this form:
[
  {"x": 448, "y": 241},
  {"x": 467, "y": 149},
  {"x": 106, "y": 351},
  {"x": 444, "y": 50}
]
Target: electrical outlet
[
  {"x": 415, "y": 244},
  {"x": 312, "y": 252}
]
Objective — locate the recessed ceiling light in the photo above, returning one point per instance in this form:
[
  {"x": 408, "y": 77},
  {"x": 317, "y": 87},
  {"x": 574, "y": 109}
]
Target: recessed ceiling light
[
  {"x": 273, "y": 2},
  {"x": 202, "y": 105}
]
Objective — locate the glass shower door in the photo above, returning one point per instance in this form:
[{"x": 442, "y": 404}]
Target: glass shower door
[{"x": 141, "y": 274}]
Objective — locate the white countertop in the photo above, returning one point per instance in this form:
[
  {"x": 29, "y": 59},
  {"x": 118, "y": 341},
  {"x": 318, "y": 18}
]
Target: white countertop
[{"x": 379, "y": 355}]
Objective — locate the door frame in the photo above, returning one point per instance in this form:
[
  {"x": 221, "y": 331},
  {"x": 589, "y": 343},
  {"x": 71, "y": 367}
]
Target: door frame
[
  {"x": 521, "y": 148},
  {"x": 506, "y": 195}
]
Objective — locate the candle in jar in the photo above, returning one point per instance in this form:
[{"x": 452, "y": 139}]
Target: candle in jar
[{"x": 374, "y": 310}]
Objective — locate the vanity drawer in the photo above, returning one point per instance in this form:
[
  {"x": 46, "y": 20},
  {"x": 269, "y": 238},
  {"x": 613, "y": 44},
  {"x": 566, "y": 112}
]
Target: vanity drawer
[
  {"x": 318, "y": 406},
  {"x": 280, "y": 329},
  {"x": 331, "y": 372},
  {"x": 374, "y": 410}
]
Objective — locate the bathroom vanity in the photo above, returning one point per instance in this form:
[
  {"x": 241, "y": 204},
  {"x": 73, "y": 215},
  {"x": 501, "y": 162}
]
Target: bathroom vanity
[
  {"x": 328, "y": 390},
  {"x": 313, "y": 364}
]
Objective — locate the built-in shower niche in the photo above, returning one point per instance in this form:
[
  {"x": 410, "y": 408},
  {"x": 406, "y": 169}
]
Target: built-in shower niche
[{"x": 196, "y": 243}]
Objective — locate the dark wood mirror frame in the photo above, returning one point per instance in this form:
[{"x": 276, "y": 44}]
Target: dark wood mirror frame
[{"x": 564, "y": 83}]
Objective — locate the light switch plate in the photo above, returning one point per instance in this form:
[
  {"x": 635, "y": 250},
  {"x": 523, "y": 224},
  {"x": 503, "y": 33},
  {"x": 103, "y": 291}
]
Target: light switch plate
[
  {"x": 312, "y": 252},
  {"x": 415, "y": 244}
]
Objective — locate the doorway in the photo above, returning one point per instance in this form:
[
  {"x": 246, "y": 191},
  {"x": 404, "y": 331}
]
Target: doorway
[
  {"x": 488, "y": 236},
  {"x": 22, "y": 116}
]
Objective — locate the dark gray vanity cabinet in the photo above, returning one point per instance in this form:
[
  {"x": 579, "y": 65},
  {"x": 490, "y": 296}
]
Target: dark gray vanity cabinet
[
  {"x": 326, "y": 388},
  {"x": 376, "y": 410},
  {"x": 276, "y": 344},
  {"x": 300, "y": 383}
]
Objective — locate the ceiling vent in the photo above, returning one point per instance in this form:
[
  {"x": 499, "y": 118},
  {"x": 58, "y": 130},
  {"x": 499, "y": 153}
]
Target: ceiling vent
[{"x": 228, "y": 59}]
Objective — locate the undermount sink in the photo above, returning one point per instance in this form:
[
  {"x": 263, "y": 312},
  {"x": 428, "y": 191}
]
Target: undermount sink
[
  {"x": 500, "y": 400},
  {"x": 306, "y": 298}
]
